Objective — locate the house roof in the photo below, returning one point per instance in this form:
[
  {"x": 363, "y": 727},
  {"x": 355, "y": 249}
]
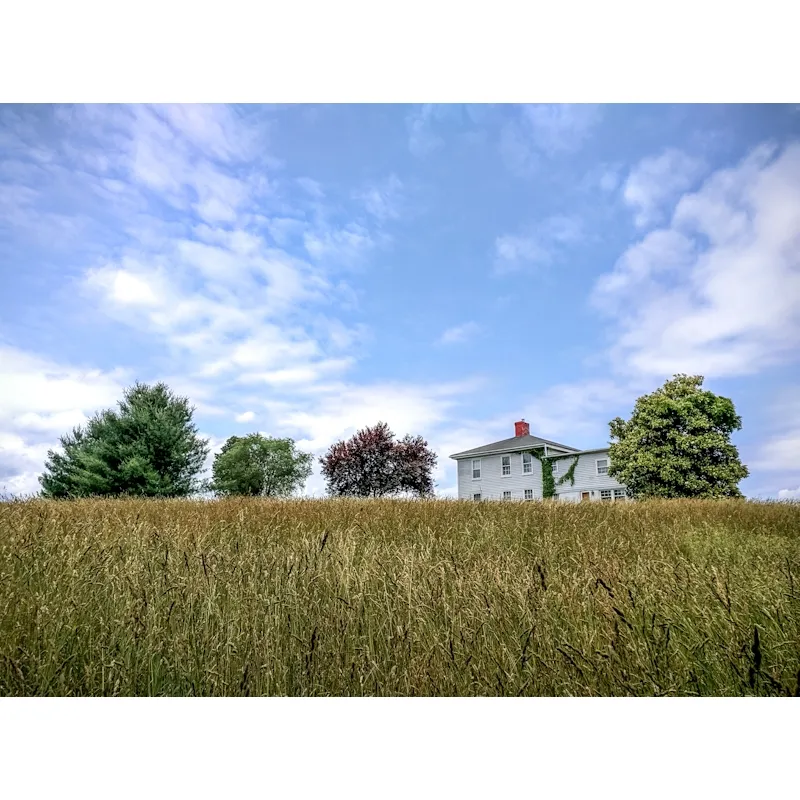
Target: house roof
[{"x": 514, "y": 444}]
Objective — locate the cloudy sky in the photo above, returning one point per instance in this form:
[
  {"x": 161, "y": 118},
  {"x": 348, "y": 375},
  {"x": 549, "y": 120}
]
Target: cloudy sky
[{"x": 306, "y": 271}]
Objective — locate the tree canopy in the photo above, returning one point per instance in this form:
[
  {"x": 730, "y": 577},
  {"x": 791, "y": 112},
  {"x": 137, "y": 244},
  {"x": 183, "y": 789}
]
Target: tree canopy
[
  {"x": 677, "y": 443},
  {"x": 257, "y": 465},
  {"x": 372, "y": 464},
  {"x": 149, "y": 447}
]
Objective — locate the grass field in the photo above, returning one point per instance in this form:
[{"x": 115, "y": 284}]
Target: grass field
[{"x": 346, "y": 597}]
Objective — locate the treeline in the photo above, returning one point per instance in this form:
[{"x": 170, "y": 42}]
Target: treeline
[
  {"x": 675, "y": 444},
  {"x": 150, "y": 447}
]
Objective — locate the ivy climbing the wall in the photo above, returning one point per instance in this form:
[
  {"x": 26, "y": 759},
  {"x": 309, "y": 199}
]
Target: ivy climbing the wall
[
  {"x": 569, "y": 475},
  {"x": 548, "y": 481}
]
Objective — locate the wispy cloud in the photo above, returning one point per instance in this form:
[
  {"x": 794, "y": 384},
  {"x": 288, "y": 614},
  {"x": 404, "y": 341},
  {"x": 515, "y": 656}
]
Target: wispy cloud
[
  {"x": 382, "y": 200},
  {"x": 311, "y": 187},
  {"x": 346, "y": 245},
  {"x": 536, "y": 248},
  {"x": 338, "y": 410},
  {"x": 658, "y": 180},
  {"x": 459, "y": 333},
  {"x": 561, "y": 128},
  {"x": 236, "y": 279},
  {"x": 40, "y": 401},
  {"x": 718, "y": 291},
  {"x": 545, "y": 131},
  {"x": 422, "y": 139},
  {"x": 603, "y": 176},
  {"x": 580, "y": 411},
  {"x": 779, "y": 450}
]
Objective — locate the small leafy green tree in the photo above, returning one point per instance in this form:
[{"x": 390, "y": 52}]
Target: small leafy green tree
[
  {"x": 257, "y": 465},
  {"x": 149, "y": 447},
  {"x": 677, "y": 443}
]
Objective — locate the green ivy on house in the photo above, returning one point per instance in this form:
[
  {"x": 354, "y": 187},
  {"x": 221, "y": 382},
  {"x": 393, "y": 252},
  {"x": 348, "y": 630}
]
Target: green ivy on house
[
  {"x": 569, "y": 475},
  {"x": 548, "y": 481}
]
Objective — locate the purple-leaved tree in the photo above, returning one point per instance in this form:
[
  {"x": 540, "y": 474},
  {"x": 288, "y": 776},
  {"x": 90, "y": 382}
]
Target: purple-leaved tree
[{"x": 372, "y": 464}]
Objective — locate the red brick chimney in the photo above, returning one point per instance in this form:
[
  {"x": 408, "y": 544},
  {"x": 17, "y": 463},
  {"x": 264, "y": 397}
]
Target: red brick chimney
[{"x": 522, "y": 428}]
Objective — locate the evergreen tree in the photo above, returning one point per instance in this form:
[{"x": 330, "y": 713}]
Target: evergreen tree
[{"x": 149, "y": 447}]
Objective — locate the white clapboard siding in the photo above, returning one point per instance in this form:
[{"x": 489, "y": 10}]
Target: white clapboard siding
[
  {"x": 586, "y": 477},
  {"x": 492, "y": 483}
]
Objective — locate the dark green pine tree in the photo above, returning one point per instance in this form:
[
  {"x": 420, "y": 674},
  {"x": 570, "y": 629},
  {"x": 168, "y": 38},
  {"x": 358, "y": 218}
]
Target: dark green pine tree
[{"x": 149, "y": 447}]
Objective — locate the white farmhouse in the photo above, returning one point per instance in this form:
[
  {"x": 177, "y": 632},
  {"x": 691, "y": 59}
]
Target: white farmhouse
[{"x": 505, "y": 471}]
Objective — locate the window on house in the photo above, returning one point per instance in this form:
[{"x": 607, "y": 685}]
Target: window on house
[
  {"x": 506, "y": 465},
  {"x": 476, "y": 497},
  {"x": 527, "y": 463},
  {"x": 602, "y": 466},
  {"x": 529, "y": 494},
  {"x": 620, "y": 494},
  {"x": 476, "y": 469},
  {"x": 506, "y": 495},
  {"x": 605, "y": 494},
  {"x": 555, "y": 468}
]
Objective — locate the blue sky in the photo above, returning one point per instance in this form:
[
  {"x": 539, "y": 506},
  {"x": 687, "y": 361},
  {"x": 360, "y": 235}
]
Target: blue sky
[{"x": 305, "y": 271}]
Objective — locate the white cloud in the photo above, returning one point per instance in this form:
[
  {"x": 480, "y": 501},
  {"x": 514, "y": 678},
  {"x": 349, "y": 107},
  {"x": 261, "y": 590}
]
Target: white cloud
[
  {"x": 40, "y": 401},
  {"x": 383, "y": 200},
  {"x": 229, "y": 310},
  {"x": 215, "y": 130},
  {"x": 421, "y": 140},
  {"x": 285, "y": 229},
  {"x": 789, "y": 494},
  {"x": 127, "y": 286},
  {"x": 346, "y": 245},
  {"x": 459, "y": 333},
  {"x": 561, "y": 127},
  {"x": 545, "y": 131},
  {"x": 538, "y": 248},
  {"x": 716, "y": 293},
  {"x": 779, "y": 449},
  {"x": 579, "y": 412},
  {"x": 658, "y": 180},
  {"x": 780, "y": 453},
  {"x": 517, "y": 151},
  {"x": 338, "y": 410},
  {"x": 664, "y": 253},
  {"x": 298, "y": 377},
  {"x": 609, "y": 180},
  {"x": 311, "y": 187}
]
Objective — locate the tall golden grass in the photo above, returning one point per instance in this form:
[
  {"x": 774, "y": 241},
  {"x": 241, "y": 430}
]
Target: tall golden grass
[{"x": 391, "y": 597}]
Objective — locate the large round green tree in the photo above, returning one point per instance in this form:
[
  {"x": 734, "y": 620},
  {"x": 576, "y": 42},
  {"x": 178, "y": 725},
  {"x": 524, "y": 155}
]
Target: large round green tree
[
  {"x": 677, "y": 443},
  {"x": 149, "y": 447},
  {"x": 259, "y": 465}
]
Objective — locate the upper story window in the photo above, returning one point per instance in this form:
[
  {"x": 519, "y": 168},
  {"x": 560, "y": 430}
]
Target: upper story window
[
  {"x": 527, "y": 463},
  {"x": 506, "y": 460},
  {"x": 602, "y": 466},
  {"x": 476, "y": 469},
  {"x": 555, "y": 467}
]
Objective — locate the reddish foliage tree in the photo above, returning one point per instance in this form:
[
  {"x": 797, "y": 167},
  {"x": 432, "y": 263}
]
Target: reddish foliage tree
[{"x": 373, "y": 464}]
